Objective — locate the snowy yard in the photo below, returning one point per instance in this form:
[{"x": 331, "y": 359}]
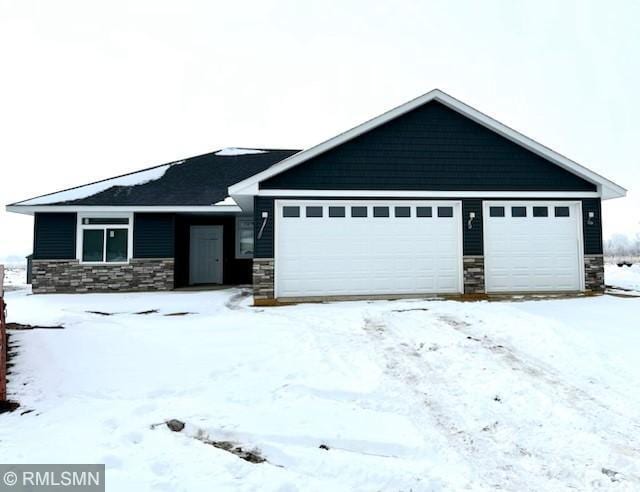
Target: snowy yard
[{"x": 406, "y": 395}]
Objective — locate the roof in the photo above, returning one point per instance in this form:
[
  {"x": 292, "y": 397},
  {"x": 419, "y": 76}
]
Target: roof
[
  {"x": 197, "y": 181},
  {"x": 607, "y": 188}
]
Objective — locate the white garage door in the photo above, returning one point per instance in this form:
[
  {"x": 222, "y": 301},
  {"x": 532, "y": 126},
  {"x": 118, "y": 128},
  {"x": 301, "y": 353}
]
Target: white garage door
[
  {"x": 532, "y": 246},
  {"x": 333, "y": 248}
]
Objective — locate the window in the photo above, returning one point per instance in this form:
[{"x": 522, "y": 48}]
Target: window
[
  {"x": 104, "y": 220},
  {"x": 358, "y": 211},
  {"x": 92, "y": 244},
  {"x": 518, "y": 211},
  {"x": 403, "y": 211},
  {"x": 314, "y": 211},
  {"x": 423, "y": 212},
  {"x": 496, "y": 211},
  {"x": 104, "y": 239},
  {"x": 244, "y": 237},
  {"x": 291, "y": 211},
  {"x": 562, "y": 211},
  {"x": 381, "y": 211},
  {"x": 336, "y": 211},
  {"x": 445, "y": 211},
  {"x": 540, "y": 211}
]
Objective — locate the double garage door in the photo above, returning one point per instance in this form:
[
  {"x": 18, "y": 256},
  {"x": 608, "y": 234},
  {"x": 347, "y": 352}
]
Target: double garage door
[{"x": 373, "y": 247}]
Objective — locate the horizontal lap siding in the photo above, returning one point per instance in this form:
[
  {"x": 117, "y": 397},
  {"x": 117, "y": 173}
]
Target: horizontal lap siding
[
  {"x": 153, "y": 236},
  {"x": 429, "y": 148},
  {"x": 592, "y": 232},
  {"x": 263, "y": 247},
  {"x": 472, "y": 238},
  {"x": 54, "y": 236}
]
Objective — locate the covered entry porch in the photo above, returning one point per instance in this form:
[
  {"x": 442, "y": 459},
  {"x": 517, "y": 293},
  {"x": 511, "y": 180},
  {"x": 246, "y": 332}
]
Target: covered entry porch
[{"x": 213, "y": 250}]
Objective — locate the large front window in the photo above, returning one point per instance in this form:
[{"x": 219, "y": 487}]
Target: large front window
[{"x": 104, "y": 239}]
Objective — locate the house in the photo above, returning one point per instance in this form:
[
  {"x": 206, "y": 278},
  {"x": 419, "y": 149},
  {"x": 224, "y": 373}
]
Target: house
[{"x": 432, "y": 197}]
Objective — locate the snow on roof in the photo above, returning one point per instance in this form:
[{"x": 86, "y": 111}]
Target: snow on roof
[
  {"x": 239, "y": 151},
  {"x": 133, "y": 179},
  {"x": 227, "y": 201}
]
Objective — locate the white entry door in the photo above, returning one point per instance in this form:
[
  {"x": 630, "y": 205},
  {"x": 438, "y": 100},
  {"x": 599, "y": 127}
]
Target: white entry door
[
  {"x": 532, "y": 246},
  {"x": 367, "y": 247},
  {"x": 205, "y": 254}
]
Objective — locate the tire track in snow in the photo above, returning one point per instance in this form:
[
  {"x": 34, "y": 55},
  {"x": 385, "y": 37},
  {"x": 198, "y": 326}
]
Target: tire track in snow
[
  {"x": 574, "y": 396},
  {"x": 410, "y": 370}
]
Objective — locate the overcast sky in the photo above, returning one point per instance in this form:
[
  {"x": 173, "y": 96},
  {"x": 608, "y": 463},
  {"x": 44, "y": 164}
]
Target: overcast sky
[{"x": 90, "y": 89}]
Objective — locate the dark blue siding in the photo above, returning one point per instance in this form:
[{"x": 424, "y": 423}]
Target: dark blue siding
[
  {"x": 263, "y": 247},
  {"x": 54, "y": 236},
  {"x": 592, "y": 232},
  {"x": 472, "y": 242},
  {"x": 153, "y": 235},
  {"x": 429, "y": 148}
]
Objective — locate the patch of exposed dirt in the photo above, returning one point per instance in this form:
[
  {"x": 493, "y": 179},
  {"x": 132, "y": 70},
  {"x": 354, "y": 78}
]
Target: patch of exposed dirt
[
  {"x": 250, "y": 455},
  {"x": 149, "y": 311},
  {"x": 20, "y": 326},
  {"x": 182, "y": 313}
]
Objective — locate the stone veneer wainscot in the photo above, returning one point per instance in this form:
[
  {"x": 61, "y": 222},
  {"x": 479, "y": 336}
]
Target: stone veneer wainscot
[{"x": 56, "y": 276}]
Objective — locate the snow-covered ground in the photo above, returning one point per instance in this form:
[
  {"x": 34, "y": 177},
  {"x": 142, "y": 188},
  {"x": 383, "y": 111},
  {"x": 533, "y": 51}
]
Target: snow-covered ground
[
  {"x": 623, "y": 277},
  {"x": 407, "y": 395},
  {"x": 15, "y": 277}
]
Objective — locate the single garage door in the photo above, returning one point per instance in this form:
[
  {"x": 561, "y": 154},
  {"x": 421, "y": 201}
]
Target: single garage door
[
  {"x": 532, "y": 246},
  {"x": 335, "y": 248}
]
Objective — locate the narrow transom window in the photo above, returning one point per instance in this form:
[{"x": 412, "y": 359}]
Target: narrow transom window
[
  {"x": 541, "y": 211},
  {"x": 518, "y": 211},
  {"x": 358, "y": 211},
  {"x": 562, "y": 211},
  {"x": 423, "y": 212},
  {"x": 314, "y": 211},
  {"x": 496, "y": 211},
  {"x": 291, "y": 211},
  {"x": 336, "y": 212},
  {"x": 403, "y": 211},
  {"x": 445, "y": 211},
  {"x": 105, "y": 220},
  {"x": 381, "y": 211}
]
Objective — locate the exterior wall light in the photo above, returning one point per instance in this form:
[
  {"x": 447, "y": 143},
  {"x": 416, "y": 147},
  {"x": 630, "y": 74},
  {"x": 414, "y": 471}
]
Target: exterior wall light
[
  {"x": 590, "y": 216},
  {"x": 265, "y": 217},
  {"x": 472, "y": 215}
]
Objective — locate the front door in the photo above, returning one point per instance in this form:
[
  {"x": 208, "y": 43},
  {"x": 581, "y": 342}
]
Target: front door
[{"x": 205, "y": 255}]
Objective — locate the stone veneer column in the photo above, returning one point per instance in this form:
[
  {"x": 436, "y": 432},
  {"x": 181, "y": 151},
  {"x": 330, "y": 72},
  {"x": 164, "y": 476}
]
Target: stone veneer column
[
  {"x": 263, "y": 277},
  {"x": 594, "y": 273},
  {"x": 56, "y": 276},
  {"x": 473, "y": 273}
]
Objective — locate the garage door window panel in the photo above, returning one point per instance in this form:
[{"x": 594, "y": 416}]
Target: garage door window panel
[
  {"x": 540, "y": 211},
  {"x": 314, "y": 211},
  {"x": 336, "y": 212},
  {"x": 381, "y": 211},
  {"x": 496, "y": 211},
  {"x": 291, "y": 211},
  {"x": 518, "y": 211},
  {"x": 424, "y": 212},
  {"x": 358, "y": 212},
  {"x": 445, "y": 212},
  {"x": 562, "y": 212}
]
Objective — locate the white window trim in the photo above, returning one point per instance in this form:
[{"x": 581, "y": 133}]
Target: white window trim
[
  {"x": 80, "y": 237},
  {"x": 239, "y": 255}
]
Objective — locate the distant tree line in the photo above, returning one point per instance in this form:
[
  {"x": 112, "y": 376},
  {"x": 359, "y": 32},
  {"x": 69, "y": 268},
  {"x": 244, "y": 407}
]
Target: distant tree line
[{"x": 621, "y": 245}]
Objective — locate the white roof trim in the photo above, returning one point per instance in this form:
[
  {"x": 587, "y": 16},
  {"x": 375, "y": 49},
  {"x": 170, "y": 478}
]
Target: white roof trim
[
  {"x": 607, "y": 188},
  {"x": 31, "y": 209},
  {"x": 426, "y": 194}
]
